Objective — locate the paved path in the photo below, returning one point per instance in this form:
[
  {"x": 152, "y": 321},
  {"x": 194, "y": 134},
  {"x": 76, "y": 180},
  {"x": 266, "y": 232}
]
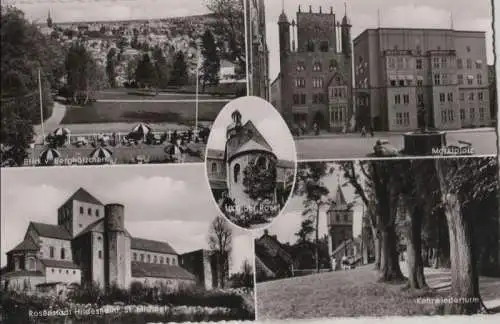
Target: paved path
[
  {"x": 352, "y": 146},
  {"x": 51, "y": 123}
]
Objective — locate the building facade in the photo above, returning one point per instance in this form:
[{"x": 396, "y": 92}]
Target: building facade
[
  {"x": 244, "y": 145},
  {"x": 258, "y": 52},
  {"x": 407, "y": 79},
  {"x": 90, "y": 245},
  {"x": 340, "y": 228},
  {"x": 314, "y": 85}
]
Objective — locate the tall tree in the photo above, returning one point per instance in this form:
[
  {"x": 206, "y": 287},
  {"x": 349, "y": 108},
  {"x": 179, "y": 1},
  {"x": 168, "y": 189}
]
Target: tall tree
[
  {"x": 111, "y": 59},
  {"x": 228, "y": 26},
  {"x": 309, "y": 184},
  {"x": 179, "y": 75},
  {"x": 145, "y": 74},
  {"x": 461, "y": 182},
  {"x": 83, "y": 76},
  {"x": 305, "y": 231},
  {"x": 211, "y": 61},
  {"x": 220, "y": 241},
  {"x": 161, "y": 67}
]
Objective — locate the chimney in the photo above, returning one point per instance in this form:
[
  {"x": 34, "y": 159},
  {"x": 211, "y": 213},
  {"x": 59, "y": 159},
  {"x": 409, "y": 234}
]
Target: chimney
[
  {"x": 331, "y": 10},
  {"x": 310, "y": 9},
  {"x": 320, "y": 9}
]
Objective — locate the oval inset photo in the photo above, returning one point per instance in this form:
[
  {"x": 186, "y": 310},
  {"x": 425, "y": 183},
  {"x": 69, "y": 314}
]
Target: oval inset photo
[{"x": 251, "y": 162}]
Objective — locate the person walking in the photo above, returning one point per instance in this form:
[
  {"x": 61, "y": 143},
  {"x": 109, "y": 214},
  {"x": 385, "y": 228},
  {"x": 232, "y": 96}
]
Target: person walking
[{"x": 363, "y": 131}]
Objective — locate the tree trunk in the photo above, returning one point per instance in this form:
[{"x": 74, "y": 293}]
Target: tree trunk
[
  {"x": 389, "y": 261},
  {"x": 464, "y": 276},
  {"x": 416, "y": 278},
  {"x": 377, "y": 248},
  {"x": 316, "y": 252}
]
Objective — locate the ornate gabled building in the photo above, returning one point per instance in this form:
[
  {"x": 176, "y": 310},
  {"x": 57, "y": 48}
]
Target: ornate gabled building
[
  {"x": 314, "y": 85},
  {"x": 90, "y": 244}
]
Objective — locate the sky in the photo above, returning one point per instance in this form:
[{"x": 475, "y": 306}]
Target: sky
[
  {"x": 288, "y": 222},
  {"x": 467, "y": 15},
  {"x": 264, "y": 116},
  {"x": 165, "y": 203}
]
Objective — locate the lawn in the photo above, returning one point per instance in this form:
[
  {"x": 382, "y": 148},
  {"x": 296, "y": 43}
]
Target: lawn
[
  {"x": 337, "y": 294},
  {"x": 150, "y": 112}
]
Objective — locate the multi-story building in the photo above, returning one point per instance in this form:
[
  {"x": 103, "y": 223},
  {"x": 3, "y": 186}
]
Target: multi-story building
[
  {"x": 90, "y": 245},
  {"x": 258, "y": 53},
  {"x": 413, "y": 78},
  {"x": 314, "y": 85}
]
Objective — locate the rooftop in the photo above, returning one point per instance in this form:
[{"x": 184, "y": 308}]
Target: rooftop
[
  {"x": 26, "y": 245},
  {"x": 84, "y": 196},
  {"x": 151, "y": 246},
  {"x": 59, "y": 264},
  {"x": 51, "y": 231},
  {"x": 140, "y": 269}
]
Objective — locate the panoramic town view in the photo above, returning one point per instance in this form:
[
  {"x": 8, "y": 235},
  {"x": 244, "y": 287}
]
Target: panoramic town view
[{"x": 112, "y": 91}]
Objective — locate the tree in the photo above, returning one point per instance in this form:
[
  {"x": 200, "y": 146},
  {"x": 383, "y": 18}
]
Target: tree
[
  {"x": 461, "y": 183},
  {"x": 220, "y": 242},
  {"x": 306, "y": 229},
  {"x": 228, "y": 26},
  {"x": 131, "y": 68},
  {"x": 111, "y": 66},
  {"x": 211, "y": 61},
  {"x": 259, "y": 183},
  {"x": 161, "y": 67},
  {"x": 309, "y": 184},
  {"x": 24, "y": 52},
  {"x": 179, "y": 76},
  {"x": 83, "y": 75},
  {"x": 145, "y": 73}
]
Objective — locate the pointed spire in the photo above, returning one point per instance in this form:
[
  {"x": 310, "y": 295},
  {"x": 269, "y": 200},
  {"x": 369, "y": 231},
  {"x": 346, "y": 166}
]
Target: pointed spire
[{"x": 345, "y": 9}]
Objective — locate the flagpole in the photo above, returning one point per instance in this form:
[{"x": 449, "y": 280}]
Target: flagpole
[
  {"x": 41, "y": 106},
  {"x": 197, "y": 85},
  {"x": 246, "y": 45}
]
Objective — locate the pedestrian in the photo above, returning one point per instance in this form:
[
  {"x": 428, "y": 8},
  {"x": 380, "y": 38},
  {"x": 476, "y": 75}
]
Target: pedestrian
[
  {"x": 363, "y": 131},
  {"x": 316, "y": 128},
  {"x": 371, "y": 132}
]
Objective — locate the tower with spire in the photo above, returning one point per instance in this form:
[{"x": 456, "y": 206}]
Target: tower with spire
[
  {"x": 315, "y": 67},
  {"x": 339, "y": 221},
  {"x": 49, "y": 20}
]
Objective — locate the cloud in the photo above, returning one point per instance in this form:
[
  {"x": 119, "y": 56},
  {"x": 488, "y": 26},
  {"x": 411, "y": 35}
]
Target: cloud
[{"x": 264, "y": 116}]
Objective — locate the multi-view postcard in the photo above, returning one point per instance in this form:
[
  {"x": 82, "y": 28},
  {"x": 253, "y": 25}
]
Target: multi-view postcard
[{"x": 249, "y": 161}]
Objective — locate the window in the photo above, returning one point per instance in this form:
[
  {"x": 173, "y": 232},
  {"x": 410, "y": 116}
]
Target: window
[
  {"x": 393, "y": 83},
  {"x": 420, "y": 83},
  {"x": 400, "y": 63},
  {"x": 460, "y": 64},
  {"x": 135, "y": 256},
  {"x": 173, "y": 261},
  {"x": 317, "y": 67},
  {"x": 302, "y": 99},
  {"x": 462, "y": 114},
  {"x": 53, "y": 270},
  {"x": 323, "y": 47},
  {"x": 97, "y": 212},
  {"x": 51, "y": 252},
  {"x": 63, "y": 254},
  {"x": 419, "y": 64},
  {"x": 67, "y": 271},
  {"x": 142, "y": 257},
  {"x": 450, "y": 97},
  {"x": 155, "y": 259},
  {"x": 81, "y": 210},
  {"x": 442, "y": 97},
  {"x": 451, "y": 115},
  {"x": 100, "y": 254},
  {"x": 479, "y": 65},
  {"x": 420, "y": 99},
  {"x": 437, "y": 79},
  {"x": 317, "y": 83},
  {"x": 148, "y": 258},
  {"x": 406, "y": 99},
  {"x": 333, "y": 65},
  {"x": 74, "y": 271},
  {"x": 460, "y": 78},
  {"x": 468, "y": 49},
  {"x": 445, "y": 79},
  {"x": 236, "y": 172},
  {"x": 471, "y": 96},
  {"x": 472, "y": 114},
  {"x": 310, "y": 46},
  {"x": 481, "y": 113},
  {"x": 391, "y": 63},
  {"x": 435, "y": 62},
  {"x": 479, "y": 79},
  {"x": 296, "y": 99},
  {"x": 401, "y": 83},
  {"x": 300, "y": 83},
  {"x": 480, "y": 96},
  {"x": 300, "y": 66},
  {"x": 214, "y": 167},
  {"x": 161, "y": 260},
  {"x": 168, "y": 260},
  {"x": 31, "y": 264},
  {"x": 444, "y": 62},
  {"x": 397, "y": 99},
  {"x": 462, "y": 96},
  {"x": 469, "y": 64},
  {"x": 60, "y": 271},
  {"x": 89, "y": 211}
]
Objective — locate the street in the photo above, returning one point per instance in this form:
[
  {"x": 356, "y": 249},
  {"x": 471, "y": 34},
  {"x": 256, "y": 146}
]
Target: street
[{"x": 352, "y": 146}]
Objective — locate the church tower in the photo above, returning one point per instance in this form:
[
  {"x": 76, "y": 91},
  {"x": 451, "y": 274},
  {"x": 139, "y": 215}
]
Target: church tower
[
  {"x": 117, "y": 248},
  {"x": 346, "y": 34},
  {"x": 49, "y": 21},
  {"x": 285, "y": 67},
  {"x": 339, "y": 221}
]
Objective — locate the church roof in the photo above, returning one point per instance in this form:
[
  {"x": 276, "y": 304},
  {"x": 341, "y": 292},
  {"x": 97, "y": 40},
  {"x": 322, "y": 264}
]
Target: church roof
[
  {"x": 339, "y": 202},
  {"x": 282, "y": 18},
  {"x": 51, "y": 231},
  {"x": 59, "y": 264},
  {"x": 152, "y": 246},
  {"x": 154, "y": 270},
  {"x": 248, "y": 133},
  {"x": 97, "y": 226},
  {"x": 84, "y": 196},
  {"x": 26, "y": 245},
  {"x": 22, "y": 273}
]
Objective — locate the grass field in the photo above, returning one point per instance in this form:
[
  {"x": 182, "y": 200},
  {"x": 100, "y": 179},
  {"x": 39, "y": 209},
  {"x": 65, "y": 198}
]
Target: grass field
[{"x": 353, "y": 293}]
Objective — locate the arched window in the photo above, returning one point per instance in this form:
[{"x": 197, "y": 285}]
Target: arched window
[
  {"x": 155, "y": 259},
  {"x": 31, "y": 264},
  {"x": 63, "y": 254},
  {"x": 89, "y": 211},
  {"x": 51, "y": 251},
  {"x": 214, "y": 167},
  {"x": 236, "y": 172},
  {"x": 97, "y": 212},
  {"x": 161, "y": 260},
  {"x": 148, "y": 258},
  {"x": 168, "y": 260},
  {"x": 142, "y": 257}
]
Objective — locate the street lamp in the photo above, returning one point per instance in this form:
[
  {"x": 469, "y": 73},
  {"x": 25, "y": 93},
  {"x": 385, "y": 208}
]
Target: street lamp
[{"x": 198, "y": 63}]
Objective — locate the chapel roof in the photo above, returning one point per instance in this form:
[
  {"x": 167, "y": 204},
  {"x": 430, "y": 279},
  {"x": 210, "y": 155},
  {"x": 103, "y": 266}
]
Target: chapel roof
[
  {"x": 26, "y": 245},
  {"x": 84, "y": 196},
  {"x": 51, "y": 231},
  {"x": 249, "y": 138},
  {"x": 59, "y": 264},
  {"x": 151, "y": 246},
  {"x": 154, "y": 270}
]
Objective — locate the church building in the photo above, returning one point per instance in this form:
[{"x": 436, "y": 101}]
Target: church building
[
  {"x": 90, "y": 244},
  {"x": 314, "y": 85}
]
